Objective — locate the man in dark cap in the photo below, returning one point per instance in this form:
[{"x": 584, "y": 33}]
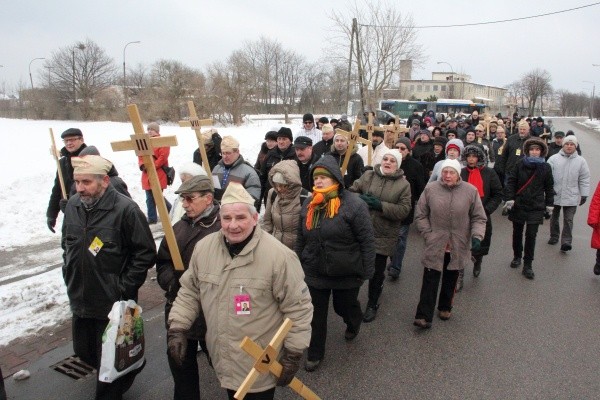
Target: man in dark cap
[
  {"x": 555, "y": 146},
  {"x": 309, "y": 129},
  {"x": 283, "y": 151},
  {"x": 416, "y": 116},
  {"x": 539, "y": 128},
  {"x": 303, "y": 147},
  {"x": 73, "y": 140}
]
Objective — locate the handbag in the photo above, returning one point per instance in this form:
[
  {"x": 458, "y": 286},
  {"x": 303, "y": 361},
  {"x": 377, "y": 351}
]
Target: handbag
[
  {"x": 122, "y": 341},
  {"x": 170, "y": 172}
]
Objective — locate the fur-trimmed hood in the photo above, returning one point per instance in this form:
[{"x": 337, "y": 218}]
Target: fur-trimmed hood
[{"x": 537, "y": 141}]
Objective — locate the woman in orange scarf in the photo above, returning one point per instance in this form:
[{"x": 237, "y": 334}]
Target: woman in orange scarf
[{"x": 336, "y": 247}]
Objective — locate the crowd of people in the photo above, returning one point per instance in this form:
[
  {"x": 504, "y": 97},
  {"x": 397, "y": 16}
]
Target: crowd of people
[{"x": 331, "y": 222}]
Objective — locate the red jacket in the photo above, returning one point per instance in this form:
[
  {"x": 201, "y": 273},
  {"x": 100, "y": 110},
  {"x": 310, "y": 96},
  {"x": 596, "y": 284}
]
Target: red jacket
[
  {"x": 594, "y": 218},
  {"x": 161, "y": 157}
]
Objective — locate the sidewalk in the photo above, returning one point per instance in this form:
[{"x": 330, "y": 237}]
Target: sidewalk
[{"x": 21, "y": 353}]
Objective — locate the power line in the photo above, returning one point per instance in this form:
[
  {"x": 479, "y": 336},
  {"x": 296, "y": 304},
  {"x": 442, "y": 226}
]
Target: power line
[{"x": 484, "y": 23}]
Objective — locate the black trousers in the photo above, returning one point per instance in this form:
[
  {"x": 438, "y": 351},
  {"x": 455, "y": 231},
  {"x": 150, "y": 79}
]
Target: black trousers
[
  {"x": 487, "y": 239},
  {"x": 266, "y": 395},
  {"x": 345, "y": 304},
  {"x": 87, "y": 344},
  {"x": 429, "y": 290},
  {"x": 185, "y": 377},
  {"x": 2, "y": 391},
  {"x": 517, "y": 240},
  {"x": 376, "y": 282}
]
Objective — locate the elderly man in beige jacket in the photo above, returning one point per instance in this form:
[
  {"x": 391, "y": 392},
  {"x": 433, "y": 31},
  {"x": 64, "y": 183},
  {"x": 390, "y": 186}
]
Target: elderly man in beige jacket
[{"x": 247, "y": 283}]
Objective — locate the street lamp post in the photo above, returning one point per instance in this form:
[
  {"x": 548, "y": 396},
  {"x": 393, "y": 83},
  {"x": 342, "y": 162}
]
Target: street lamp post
[
  {"x": 124, "y": 73},
  {"x": 592, "y": 99},
  {"x": 81, "y": 47},
  {"x": 30, "y": 76},
  {"x": 451, "y": 78}
]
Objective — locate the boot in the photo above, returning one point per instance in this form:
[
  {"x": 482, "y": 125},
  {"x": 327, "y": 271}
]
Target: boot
[
  {"x": 516, "y": 262},
  {"x": 460, "y": 281},
  {"x": 528, "y": 271},
  {"x": 596, "y": 269},
  {"x": 370, "y": 313},
  {"x": 477, "y": 266}
]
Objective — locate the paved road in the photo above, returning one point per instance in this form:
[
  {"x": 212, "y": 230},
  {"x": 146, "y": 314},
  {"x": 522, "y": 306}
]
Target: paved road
[{"x": 508, "y": 337}]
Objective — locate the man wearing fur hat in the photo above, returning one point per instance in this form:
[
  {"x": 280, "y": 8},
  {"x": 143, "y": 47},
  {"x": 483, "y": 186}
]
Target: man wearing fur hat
[
  {"x": 529, "y": 195},
  {"x": 201, "y": 218},
  {"x": 339, "y": 151},
  {"x": 212, "y": 146},
  {"x": 379, "y": 148},
  {"x": 451, "y": 218},
  {"x": 488, "y": 187},
  {"x": 233, "y": 168},
  {"x": 571, "y": 186},
  {"x": 269, "y": 281},
  {"x": 73, "y": 140},
  {"x": 309, "y": 129},
  {"x": 283, "y": 151},
  {"x": 513, "y": 151},
  {"x": 108, "y": 249}
]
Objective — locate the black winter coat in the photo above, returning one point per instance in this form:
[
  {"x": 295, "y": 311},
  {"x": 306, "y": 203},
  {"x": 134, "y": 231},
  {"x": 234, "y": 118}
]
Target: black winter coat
[
  {"x": 116, "y": 272},
  {"x": 347, "y": 238},
  {"x": 213, "y": 152},
  {"x": 322, "y": 148},
  {"x": 492, "y": 188},
  {"x": 415, "y": 175},
  {"x": 187, "y": 234},
  {"x": 512, "y": 152},
  {"x": 354, "y": 170},
  {"x": 67, "y": 173},
  {"x": 530, "y": 205},
  {"x": 305, "y": 175}
]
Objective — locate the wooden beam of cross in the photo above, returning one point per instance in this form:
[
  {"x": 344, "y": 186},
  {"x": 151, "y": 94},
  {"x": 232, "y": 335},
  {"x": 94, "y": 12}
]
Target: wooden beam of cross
[
  {"x": 398, "y": 132},
  {"x": 56, "y": 155},
  {"x": 487, "y": 119},
  {"x": 370, "y": 128},
  {"x": 196, "y": 124},
  {"x": 266, "y": 362},
  {"x": 144, "y": 145},
  {"x": 354, "y": 137}
]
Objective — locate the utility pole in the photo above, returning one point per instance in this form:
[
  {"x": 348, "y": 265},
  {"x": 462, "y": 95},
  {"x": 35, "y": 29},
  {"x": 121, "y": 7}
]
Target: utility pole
[
  {"x": 124, "y": 74},
  {"x": 363, "y": 100},
  {"x": 349, "y": 66}
]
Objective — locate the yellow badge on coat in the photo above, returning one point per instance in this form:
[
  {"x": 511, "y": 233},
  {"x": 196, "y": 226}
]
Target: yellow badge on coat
[{"x": 96, "y": 246}]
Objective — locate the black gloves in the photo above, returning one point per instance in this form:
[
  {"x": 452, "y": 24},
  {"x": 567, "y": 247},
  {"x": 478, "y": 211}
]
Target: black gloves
[
  {"x": 51, "y": 222},
  {"x": 177, "y": 345},
  {"x": 62, "y": 204},
  {"x": 290, "y": 362},
  {"x": 142, "y": 167},
  {"x": 475, "y": 244},
  {"x": 583, "y": 200}
]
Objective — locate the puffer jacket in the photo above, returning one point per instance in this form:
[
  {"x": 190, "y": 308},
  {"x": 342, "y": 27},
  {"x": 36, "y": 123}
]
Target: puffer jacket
[
  {"x": 571, "y": 178},
  {"x": 187, "y": 234},
  {"x": 241, "y": 172},
  {"x": 120, "y": 266},
  {"x": 282, "y": 214},
  {"x": 448, "y": 217},
  {"x": 266, "y": 271},
  {"x": 347, "y": 238},
  {"x": 394, "y": 193}
]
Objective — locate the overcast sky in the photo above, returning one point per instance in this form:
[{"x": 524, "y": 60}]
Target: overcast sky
[{"x": 197, "y": 33}]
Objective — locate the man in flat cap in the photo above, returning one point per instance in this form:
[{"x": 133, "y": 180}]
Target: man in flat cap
[
  {"x": 107, "y": 251},
  {"x": 73, "y": 140},
  {"x": 201, "y": 219},
  {"x": 251, "y": 285}
]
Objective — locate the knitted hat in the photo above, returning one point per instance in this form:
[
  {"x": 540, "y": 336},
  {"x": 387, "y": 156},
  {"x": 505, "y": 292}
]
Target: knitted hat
[
  {"x": 308, "y": 117},
  {"x": 455, "y": 144},
  {"x": 191, "y": 168},
  {"x": 344, "y": 118},
  {"x": 323, "y": 120},
  {"x": 559, "y": 134},
  {"x": 396, "y": 154},
  {"x": 71, "y": 132},
  {"x": 91, "y": 164},
  {"x": 199, "y": 183},
  {"x": 89, "y": 151},
  {"x": 235, "y": 193},
  {"x": 405, "y": 141},
  {"x": 322, "y": 171},
  {"x": 570, "y": 139},
  {"x": 454, "y": 164},
  {"x": 285, "y": 132},
  {"x": 229, "y": 143},
  {"x": 153, "y": 126},
  {"x": 425, "y": 132},
  {"x": 440, "y": 140},
  {"x": 327, "y": 128},
  {"x": 271, "y": 135}
]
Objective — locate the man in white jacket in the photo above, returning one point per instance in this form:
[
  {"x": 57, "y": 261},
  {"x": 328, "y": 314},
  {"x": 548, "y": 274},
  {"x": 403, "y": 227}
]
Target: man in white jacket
[{"x": 572, "y": 187}]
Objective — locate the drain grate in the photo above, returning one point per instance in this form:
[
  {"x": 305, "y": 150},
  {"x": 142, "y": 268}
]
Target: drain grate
[{"x": 74, "y": 368}]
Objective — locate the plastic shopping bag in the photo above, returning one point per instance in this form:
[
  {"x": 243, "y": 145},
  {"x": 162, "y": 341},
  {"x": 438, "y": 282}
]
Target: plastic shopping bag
[{"x": 122, "y": 341}]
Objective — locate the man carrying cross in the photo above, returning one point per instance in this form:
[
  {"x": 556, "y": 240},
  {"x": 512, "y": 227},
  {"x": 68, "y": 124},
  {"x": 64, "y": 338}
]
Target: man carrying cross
[
  {"x": 340, "y": 150},
  {"x": 252, "y": 284},
  {"x": 379, "y": 148}
]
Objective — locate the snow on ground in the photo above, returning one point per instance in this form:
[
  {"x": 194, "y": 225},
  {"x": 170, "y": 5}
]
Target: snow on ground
[
  {"x": 40, "y": 301},
  {"x": 595, "y": 124}
]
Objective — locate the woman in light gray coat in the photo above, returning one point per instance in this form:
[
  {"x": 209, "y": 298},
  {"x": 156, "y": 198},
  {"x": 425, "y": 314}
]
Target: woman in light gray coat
[{"x": 451, "y": 218}]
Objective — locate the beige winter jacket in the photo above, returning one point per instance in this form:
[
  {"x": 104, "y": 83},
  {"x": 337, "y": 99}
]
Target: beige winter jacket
[
  {"x": 271, "y": 275},
  {"x": 448, "y": 217}
]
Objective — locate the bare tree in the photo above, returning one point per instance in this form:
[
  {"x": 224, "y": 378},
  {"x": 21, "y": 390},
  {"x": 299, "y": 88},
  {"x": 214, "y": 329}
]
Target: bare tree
[
  {"x": 536, "y": 84},
  {"x": 79, "y": 72},
  {"x": 386, "y": 36}
]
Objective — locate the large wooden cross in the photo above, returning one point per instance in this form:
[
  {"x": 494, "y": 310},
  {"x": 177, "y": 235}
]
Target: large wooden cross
[
  {"x": 266, "y": 362},
  {"x": 196, "y": 124},
  {"x": 370, "y": 128},
  {"x": 354, "y": 137},
  {"x": 144, "y": 145},
  {"x": 398, "y": 130},
  {"x": 56, "y": 155}
]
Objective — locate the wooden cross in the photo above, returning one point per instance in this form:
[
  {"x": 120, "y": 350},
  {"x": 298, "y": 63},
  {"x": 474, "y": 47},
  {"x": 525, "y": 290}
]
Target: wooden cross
[
  {"x": 196, "y": 124},
  {"x": 487, "y": 119},
  {"x": 54, "y": 152},
  {"x": 144, "y": 145},
  {"x": 354, "y": 137},
  {"x": 398, "y": 130},
  {"x": 266, "y": 362}
]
